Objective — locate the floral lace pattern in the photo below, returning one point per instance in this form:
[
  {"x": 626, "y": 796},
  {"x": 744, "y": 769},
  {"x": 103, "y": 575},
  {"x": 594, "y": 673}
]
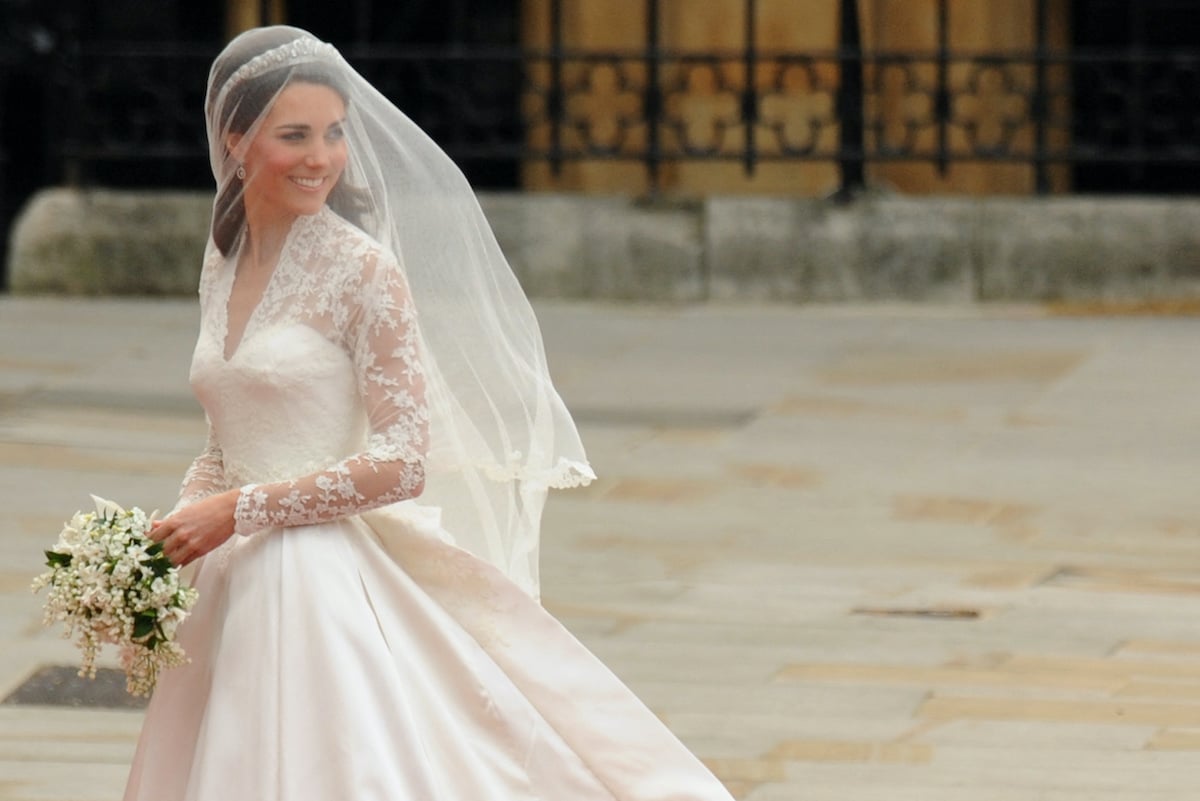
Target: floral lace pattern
[
  {"x": 333, "y": 280},
  {"x": 205, "y": 476}
]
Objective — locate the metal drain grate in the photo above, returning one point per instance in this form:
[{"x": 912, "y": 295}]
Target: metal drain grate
[{"x": 61, "y": 685}]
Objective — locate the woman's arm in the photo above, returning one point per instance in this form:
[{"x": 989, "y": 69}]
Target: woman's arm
[
  {"x": 384, "y": 346},
  {"x": 205, "y": 476}
]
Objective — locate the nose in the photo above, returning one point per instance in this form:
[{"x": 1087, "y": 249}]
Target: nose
[{"x": 318, "y": 155}]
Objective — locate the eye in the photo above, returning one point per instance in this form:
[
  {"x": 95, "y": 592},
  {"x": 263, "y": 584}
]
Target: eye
[
  {"x": 336, "y": 134},
  {"x": 293, "y": 136}
]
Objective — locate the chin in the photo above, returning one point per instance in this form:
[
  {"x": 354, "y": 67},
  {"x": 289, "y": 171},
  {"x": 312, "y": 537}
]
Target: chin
[{"x": 311, "y": 208}]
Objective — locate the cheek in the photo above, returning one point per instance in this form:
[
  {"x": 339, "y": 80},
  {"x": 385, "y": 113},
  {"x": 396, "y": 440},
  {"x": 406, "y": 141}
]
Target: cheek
[
  {"x": 339, "y": 156},
  {"x": 270, "y": 160},
  {"x": 281, "y": 160}
]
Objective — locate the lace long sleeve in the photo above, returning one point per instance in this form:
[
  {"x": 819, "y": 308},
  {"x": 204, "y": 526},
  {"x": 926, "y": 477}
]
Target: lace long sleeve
[
  {"x": 383, "y": 342},
  {"x": 205, "y": 476}
]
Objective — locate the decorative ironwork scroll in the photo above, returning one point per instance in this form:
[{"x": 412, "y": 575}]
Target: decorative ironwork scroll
[{"x": 133, "y": 115}]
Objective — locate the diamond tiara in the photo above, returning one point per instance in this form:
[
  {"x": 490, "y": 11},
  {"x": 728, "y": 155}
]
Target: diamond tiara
[{"x": 302, "y": 48}]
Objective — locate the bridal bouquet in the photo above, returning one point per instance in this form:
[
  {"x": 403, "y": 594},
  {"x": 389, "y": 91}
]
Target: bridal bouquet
[{"x": 110, "y": 583}]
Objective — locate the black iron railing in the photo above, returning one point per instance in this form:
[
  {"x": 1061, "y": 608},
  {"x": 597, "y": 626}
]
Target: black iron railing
[{"x": 132, "y": 114}]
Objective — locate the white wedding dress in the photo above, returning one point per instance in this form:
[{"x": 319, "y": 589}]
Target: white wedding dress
[{"x": 343, "y": 648}]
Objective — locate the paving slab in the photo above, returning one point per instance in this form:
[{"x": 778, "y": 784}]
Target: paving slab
[{"x": 857, "y": 552}]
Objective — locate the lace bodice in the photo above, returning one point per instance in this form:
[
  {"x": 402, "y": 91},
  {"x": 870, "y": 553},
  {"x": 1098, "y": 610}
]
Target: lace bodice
[{"x": 320, "y": 410}]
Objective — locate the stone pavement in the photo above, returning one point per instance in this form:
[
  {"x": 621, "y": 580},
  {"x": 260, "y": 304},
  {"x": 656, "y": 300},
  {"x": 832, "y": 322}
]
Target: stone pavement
[{"x": 851, "y": 554}]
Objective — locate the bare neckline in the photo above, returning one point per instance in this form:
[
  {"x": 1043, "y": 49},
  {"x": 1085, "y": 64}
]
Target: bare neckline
[{"x": 267, "y": 291}]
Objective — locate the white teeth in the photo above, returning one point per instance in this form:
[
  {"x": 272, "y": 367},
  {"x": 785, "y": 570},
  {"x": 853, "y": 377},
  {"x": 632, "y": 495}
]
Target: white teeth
[{"x": 311, "y": 183}]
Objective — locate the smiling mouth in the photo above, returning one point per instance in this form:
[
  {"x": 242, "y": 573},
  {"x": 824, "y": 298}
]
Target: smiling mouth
[{"x": 308, "y": 183}]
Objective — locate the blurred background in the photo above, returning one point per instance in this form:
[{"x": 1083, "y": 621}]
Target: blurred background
[
  {"x": 647, "y": 98},
  {"x": 892, "y": 505}
]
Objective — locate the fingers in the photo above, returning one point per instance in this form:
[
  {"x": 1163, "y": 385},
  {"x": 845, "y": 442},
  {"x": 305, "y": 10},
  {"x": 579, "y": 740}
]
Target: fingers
[
  {"x": 183, "y": 559},
  {"x": 193, "y": 531},
  {"x": 182, "y": 543},
  {"x": 180, "y": 548},
  {"x": 179, "y": 552},
  {"x": 166, "y": 533},
  {"x": 160, "y": 529},
  {"x": 171, "y": 550}
]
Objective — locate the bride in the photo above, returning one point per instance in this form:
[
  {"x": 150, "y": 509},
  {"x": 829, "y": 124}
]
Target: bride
[{"x": 363, "y": 521}]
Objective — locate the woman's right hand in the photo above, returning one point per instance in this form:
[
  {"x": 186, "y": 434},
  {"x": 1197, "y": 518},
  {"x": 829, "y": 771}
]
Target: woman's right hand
[{"x": 197, "y": 529}]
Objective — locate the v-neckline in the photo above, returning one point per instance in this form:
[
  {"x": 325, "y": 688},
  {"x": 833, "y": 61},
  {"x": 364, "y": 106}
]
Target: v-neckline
[{"x": 251, "y": 317}]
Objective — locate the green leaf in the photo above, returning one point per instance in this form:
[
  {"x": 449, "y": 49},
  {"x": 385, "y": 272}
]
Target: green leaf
[
  {"x": 143, "y": 625},
  {"x": 56, "y": 559},
  {"x": 159, "y": 564}
]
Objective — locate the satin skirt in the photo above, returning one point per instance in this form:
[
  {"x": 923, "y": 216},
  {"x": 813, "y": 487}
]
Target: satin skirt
[{"x": 370, "y": 659}]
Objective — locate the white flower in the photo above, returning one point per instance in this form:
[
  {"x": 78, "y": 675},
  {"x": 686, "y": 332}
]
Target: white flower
[
  {"x": 106, "y": 586},
  {"x": 107, "y": 509}
]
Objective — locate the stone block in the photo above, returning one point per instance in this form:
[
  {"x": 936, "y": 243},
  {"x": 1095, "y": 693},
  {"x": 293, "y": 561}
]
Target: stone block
[
  {"x": 98, "y": 242},
  {"x": 755, "y": 248},
  {"x": 1181, "y": 250},
  {"x": 579, "y": 246},
  {"x": 1108, "y": 249},
  {"x": 642, "y": 250},
  {"x": 829, "y": 238},
  {"x": 542, "y": 237},
  {"x": 876, "y": 248},
  {"x": 917, "y": 249},
  {"x": 783, "y": 249},
  {"x": 1029, "y": 250}
]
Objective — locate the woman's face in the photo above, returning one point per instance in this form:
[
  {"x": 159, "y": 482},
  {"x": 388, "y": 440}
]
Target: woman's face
[{"x": 298, "y": 154}]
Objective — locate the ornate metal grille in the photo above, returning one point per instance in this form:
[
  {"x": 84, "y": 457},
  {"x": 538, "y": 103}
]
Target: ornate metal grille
[{"x": 131, "y": 115}]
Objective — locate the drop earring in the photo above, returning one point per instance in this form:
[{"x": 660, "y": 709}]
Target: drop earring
[{"x": 241, "y": 172}]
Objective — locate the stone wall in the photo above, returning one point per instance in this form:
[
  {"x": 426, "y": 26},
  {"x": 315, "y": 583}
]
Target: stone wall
[{"x": 877, "y": 248}]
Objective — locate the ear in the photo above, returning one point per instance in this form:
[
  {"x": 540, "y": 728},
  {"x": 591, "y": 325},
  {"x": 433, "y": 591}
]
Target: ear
[{"x": 232, "y": 142}]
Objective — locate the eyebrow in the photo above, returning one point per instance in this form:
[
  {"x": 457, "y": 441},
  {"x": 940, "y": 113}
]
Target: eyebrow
[{"x": 301, "y": 126}]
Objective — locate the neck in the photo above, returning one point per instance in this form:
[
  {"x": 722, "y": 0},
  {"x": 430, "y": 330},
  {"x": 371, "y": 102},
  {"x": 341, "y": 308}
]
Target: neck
[{"x": 266, "y": 235}]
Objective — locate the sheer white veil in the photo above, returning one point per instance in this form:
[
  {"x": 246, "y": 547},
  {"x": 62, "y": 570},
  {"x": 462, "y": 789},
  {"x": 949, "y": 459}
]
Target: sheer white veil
[{"x": 500, "y": 434}]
